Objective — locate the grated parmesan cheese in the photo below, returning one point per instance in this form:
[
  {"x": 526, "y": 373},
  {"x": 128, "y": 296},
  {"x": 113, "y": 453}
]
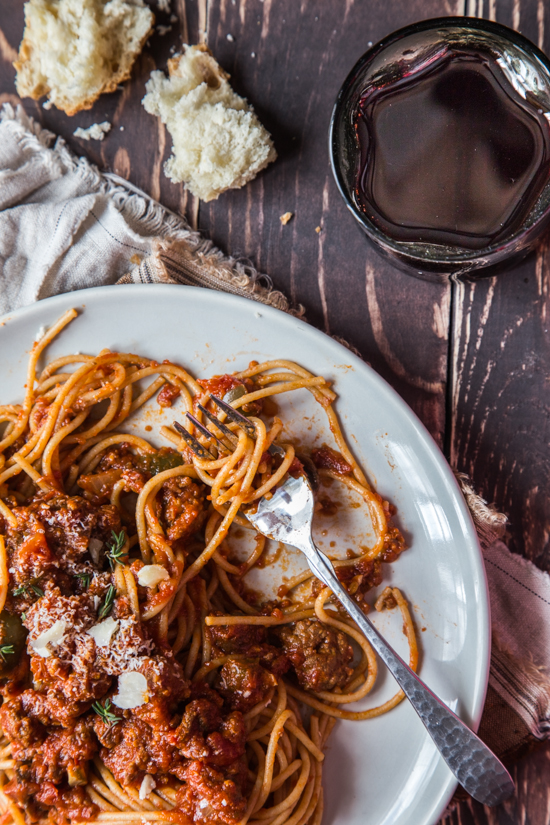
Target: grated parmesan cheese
[
  {"x": 103, "y": 632},
  {"x": 147, "y": 786},
  {"x": 152, "y": 574},
  {"x": 132, "y": 691},
  {"x": 54, "y": 636}
]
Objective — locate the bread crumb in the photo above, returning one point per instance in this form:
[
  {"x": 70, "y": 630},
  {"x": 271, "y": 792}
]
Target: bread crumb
[
  {"x": 162, "y": 30},
  {"x": 96, "y": 131},
  {"x": 286, "y": 217},
  {"x": 218, "y": 141},
  {"x": 173, "y": 18},
  {"x": 74, "y": 50},
  {"x": 318, "y": 229},
  {"x": 230, "y": 38},
  {"x": 164, "y": 5},
  {"x": 252, "y": 54}
]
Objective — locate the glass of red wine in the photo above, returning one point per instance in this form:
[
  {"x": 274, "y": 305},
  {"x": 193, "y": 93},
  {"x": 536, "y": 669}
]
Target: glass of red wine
[{"x": 440, "y": 146}]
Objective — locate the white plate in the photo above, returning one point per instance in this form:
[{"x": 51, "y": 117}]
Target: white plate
[{"x": 384, "y": 771}]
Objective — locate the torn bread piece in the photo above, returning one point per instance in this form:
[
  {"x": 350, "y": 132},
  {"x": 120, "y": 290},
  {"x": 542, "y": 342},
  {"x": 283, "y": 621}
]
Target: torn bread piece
[
  {"x": 218, "y": 141},
  {"x": 75, "y": 50}
]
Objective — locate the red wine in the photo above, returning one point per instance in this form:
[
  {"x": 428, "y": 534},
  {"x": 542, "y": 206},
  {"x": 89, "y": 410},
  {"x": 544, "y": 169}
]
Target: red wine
[{"x": 451, "y": 154}]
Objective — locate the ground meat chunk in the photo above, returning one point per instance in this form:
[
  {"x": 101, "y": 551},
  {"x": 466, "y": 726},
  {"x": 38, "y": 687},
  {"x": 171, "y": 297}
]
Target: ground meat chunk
[
  {"x": 118, "y": 463},
  {"x": 320, "y": 655},
  {"x": 73, "y": 805},
  {"x": 24, "y": 732},
  {"x": 168, "y": 395},
  {"x": 250, "y": 640},
  {"x": 61, "y": 755},
  {"x": 51, "y": 540},
  {"x": 219, "y": 385},
  {"x": 244, "y": 683},
  {"x": 29, "y": 553},
  {"x": 132, "y": 748},
  {"x": 166, "y": 688},
  {"x": 207, "y": 735},
  {"x": 211, "y": 796},
  {"x": 65, "y": 754},
  {"x": 183, "y": 507},
  {"x": 238, "y": 638},
  {"x": 63, "y": 805},
  {"x": 128, "y": 758},
  {"x": 325, "y": 458}
]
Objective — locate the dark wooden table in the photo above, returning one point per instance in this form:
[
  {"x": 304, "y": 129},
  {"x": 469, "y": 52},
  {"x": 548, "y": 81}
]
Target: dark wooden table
[{"x": 472, "y": 361}]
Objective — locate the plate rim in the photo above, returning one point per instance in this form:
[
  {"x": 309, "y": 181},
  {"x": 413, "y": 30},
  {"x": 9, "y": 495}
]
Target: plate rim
[{"x": 79, "y": 299}]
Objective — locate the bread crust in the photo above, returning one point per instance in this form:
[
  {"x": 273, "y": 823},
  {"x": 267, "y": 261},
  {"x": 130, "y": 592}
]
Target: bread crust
[{"x": 26, "y": 88}]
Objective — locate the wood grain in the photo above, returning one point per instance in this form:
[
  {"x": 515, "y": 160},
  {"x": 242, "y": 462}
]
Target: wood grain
[
  {"x": 399, "y": 325},
  {"x": 499, "y": 427},
  {"x": 472, "y": 361}
]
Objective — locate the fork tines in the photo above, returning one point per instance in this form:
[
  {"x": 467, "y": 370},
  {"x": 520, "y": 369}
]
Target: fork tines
[
  {"x": 194, "y": 445},
  {"x": 221, "y": 427},
  {"x": 237, "y": 417}
]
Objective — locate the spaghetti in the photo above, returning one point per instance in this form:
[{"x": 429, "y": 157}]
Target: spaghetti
[{"x": 141, "y": 680}]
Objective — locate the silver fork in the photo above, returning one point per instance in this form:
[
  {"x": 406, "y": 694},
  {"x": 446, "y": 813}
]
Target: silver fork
[{"x": 287, "y": 517}]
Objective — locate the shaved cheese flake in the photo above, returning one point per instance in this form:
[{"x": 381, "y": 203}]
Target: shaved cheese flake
[
  {"x": 53, "y": 636},
  {"x": 94, "y": 547},
  {"x": 103, "y": 632},
  {"x": 152, "y": 574},
  {"x": 147, "y": 786},
  {"x": 132, "y": 690}
]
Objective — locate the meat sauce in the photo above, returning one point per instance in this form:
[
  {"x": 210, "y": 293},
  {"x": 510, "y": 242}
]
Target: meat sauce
[{"x": 60, "y": 566}]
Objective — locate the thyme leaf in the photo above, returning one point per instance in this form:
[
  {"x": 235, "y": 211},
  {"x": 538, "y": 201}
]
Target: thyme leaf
[
  {"x": 5, "y": 650},
  {"x": 104, "y": 711},
  {"x": 24, "y": 588},
  {"x": 85, "y": 578},
  {"x": 116, "y": 549}
]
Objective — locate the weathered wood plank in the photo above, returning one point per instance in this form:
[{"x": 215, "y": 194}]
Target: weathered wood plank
[
  {"x": 289, "y": 60},
  {"x": 501, "y": 424},
  {"x": 500, "y": 428}
]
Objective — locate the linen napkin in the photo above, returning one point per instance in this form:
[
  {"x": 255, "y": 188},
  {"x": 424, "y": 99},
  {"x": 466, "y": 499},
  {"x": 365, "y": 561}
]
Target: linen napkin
[{"x": 65, "y": 226}]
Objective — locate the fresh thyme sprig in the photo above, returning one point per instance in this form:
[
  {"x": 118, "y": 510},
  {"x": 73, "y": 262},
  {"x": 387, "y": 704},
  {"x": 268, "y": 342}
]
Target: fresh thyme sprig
[
  {"x": 104, "y": 711},
  {"x": 85, "y": 578},
  {"x": 107, "y": 605},
  {"x": 5, "y": 650},
  {"x": 23, "y": 588},
  {"x": 116, "y": 550}
]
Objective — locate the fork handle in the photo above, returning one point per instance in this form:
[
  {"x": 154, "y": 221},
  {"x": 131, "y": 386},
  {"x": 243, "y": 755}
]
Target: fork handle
[{"x": 477, "y": 769}]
